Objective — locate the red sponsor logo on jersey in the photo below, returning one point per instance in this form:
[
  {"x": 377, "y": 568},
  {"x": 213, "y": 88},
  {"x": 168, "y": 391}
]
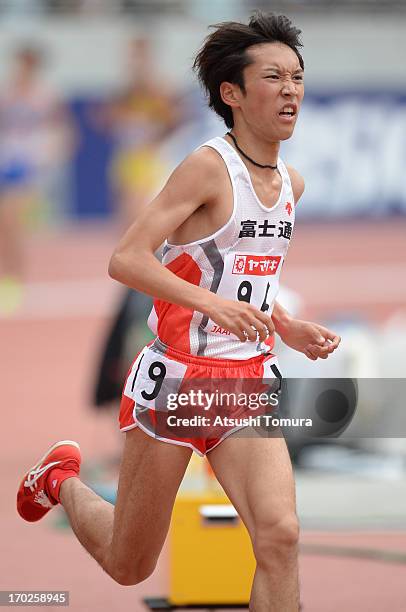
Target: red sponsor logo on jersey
[
  {"x": 288, "y": 207},
  {"x": 256, "y": 265}
]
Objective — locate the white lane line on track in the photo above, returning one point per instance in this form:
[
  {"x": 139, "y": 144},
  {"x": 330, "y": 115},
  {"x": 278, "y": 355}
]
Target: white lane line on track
[
  {"x": 67, "y": 299},
  {"x": 361, "y": 285}
]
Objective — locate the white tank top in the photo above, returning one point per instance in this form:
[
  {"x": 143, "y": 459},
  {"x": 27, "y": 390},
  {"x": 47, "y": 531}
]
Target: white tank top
[{"x": 240, "y": 261}]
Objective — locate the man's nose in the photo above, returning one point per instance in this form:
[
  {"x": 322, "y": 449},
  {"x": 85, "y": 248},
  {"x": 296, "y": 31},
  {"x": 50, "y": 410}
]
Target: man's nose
[{"x": 289, "y": 87}]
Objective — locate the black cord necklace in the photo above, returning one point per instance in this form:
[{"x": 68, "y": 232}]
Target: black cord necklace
[{"x": 233, "y": 138}]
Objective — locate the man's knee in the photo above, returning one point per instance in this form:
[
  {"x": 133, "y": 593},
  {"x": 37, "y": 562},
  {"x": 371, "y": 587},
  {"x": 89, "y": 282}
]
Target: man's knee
[
  {"x": 276, "y": 540},
  {"x": 134, "y": 573}
]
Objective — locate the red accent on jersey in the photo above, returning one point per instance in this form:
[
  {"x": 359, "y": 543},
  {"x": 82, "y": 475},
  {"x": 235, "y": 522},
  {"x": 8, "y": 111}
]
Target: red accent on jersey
[
  {"x": 270, "y": 341},
  {"x": 126, "y": 411},
  {"x": 288, "y": 208},
  {"x": 256, "y": 265},
  {"x": 173, "y": 320}
]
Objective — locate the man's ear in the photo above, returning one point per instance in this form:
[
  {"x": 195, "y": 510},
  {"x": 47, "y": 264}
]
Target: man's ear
[{"x": 230, "y": 94}]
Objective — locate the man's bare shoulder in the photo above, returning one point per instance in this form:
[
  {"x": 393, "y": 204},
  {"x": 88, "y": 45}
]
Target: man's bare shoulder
[
  {"x": 200, "y": 174},
  {"x": 206, "y": 161},
  {"x": 297, "y": 181}
]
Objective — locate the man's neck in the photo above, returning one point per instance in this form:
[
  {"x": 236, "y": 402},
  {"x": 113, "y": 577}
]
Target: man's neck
[{"x": 255, "y": 146}]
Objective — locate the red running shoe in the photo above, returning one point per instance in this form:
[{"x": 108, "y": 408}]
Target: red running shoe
[{"x": 36, "y": 496}]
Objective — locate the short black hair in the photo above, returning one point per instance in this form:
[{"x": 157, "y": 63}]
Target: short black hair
[{"x": 223, "y": 55}]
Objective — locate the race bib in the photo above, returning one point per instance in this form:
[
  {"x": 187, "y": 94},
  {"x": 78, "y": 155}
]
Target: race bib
[
  {"x": 153, "y": 378},
  {"x": 252, "y": 278}
]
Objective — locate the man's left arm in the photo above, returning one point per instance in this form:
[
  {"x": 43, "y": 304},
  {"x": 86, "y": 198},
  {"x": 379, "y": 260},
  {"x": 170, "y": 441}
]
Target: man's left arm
[{"x": 314, "y": 340}]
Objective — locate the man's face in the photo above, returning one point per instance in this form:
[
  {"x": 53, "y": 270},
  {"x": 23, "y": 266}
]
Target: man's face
[{"x": 274, "y": 90}]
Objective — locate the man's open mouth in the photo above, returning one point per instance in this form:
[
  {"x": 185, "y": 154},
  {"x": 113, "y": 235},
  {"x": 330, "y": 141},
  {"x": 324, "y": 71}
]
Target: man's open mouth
[{"x": 288, "y": 111}]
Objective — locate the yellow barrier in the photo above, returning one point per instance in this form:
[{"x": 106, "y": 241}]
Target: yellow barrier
[{"x": 211, "y": 559}]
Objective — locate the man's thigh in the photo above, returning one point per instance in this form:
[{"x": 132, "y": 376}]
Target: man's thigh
[
  {"x": 150, "y": 474},
  {"x": 256, "y": 473}
]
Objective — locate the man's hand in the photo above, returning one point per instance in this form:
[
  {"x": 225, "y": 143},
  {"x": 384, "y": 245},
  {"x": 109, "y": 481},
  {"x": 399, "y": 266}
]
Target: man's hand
[
  {"x": 314, "y": 340},
  {"x": 240, "y": 318}
]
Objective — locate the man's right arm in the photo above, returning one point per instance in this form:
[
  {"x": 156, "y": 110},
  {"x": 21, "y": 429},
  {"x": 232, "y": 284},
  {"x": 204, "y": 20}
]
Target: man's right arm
[{"x": 192, "y": 184}]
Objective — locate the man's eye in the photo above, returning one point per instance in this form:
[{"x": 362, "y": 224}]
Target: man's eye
[
  {"x": 273, "y": 76},
  {"x": 298, "y": 77}
]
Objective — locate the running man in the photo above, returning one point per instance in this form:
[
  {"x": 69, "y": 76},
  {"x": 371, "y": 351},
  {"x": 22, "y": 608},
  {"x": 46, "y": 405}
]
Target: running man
[{"x": 227, "y": 213}]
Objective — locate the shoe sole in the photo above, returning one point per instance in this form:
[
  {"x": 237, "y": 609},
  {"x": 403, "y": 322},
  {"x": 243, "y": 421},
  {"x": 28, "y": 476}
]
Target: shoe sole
[{"x": 53, "y": 447}]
